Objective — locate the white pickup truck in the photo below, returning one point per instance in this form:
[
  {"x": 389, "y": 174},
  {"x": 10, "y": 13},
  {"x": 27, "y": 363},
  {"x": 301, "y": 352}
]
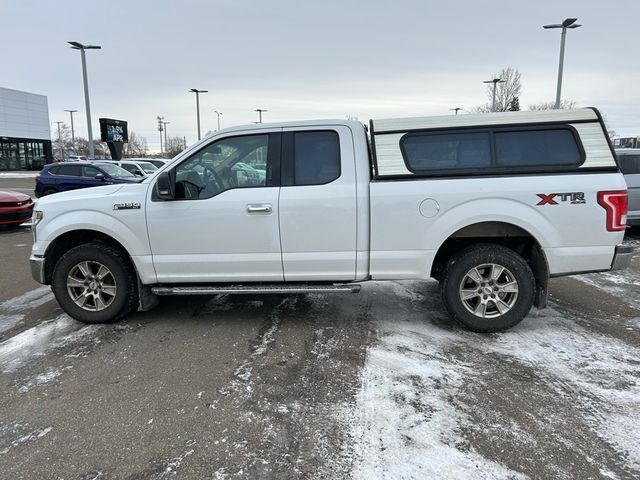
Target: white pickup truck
[{"x": 490, "y": 205}]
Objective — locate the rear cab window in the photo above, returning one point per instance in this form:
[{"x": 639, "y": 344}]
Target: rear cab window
[{"x": 316, "y": 157}]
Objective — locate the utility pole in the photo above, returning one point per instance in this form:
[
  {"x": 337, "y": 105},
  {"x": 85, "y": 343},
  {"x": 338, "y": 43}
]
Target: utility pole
[
  {"x": 160, "y": 129},
  {"x": 457, "y": 109},
  {"x": 60, "y": 145},
  {"x": 73, "y": 136},
  {"x": 260, "y": 110},
  {"x": 165, "y": 134},
  {"x": 495, "y": 82}
]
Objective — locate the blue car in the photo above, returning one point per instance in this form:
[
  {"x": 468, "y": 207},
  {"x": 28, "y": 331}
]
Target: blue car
[{"x": 60, "y": 177}]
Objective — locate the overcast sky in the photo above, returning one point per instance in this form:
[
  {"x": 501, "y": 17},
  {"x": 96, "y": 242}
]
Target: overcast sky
[{"x": 314, "y": 59}]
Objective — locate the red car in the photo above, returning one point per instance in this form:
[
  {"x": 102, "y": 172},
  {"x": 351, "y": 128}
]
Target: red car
[{"x": 15, "y": 208}]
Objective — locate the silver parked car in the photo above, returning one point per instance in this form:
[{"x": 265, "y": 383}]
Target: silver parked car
[
  {"x": 139, "y": 168},
  {"x": 629, "y": 160}
]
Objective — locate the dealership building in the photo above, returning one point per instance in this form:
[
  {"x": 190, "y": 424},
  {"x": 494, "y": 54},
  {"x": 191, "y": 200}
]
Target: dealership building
[{"x": 25, "y": 136}]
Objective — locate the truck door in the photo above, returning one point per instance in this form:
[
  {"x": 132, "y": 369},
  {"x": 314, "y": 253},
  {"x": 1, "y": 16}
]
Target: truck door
[
  {"x": 222, "y": 225},
  {"x": 317, "y": 205}
]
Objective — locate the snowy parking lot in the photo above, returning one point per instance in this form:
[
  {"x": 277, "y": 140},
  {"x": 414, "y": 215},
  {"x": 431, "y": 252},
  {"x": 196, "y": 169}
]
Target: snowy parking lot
[{"x": 375, "y": 385}]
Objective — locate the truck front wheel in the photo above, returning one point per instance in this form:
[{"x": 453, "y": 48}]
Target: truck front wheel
[
  {"x": 488, "y": 288},
  {"x": 94, "y": 283}
]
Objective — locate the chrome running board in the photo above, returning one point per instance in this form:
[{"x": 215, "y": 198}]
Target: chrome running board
[{"x": 238, "y": 289}]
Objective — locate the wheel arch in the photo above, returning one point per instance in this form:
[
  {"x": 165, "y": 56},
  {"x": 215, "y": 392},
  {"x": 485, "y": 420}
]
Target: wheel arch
[
  {"x": 68, "y": 240},
  {"x": 509, "y": 235}
]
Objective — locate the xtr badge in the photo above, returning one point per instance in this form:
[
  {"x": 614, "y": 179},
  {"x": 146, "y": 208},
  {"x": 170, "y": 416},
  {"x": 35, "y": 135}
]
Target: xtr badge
[{"x": 575, "y": 198}]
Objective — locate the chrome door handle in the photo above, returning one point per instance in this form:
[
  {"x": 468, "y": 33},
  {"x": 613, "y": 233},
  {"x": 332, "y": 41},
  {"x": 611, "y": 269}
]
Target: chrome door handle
[{"x": 262, "y": 208}]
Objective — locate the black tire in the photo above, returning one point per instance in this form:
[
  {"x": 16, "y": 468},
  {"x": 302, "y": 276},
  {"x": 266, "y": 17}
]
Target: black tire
[
  {"x": 48, "y": 191},
  {"x": 496, "y": 295},
  {"x": 122, "y": 280}
]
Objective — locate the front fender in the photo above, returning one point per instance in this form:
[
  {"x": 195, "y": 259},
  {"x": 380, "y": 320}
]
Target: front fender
[
  {"x": 128, "y": 229},
  {"x": 134, "y": 240}
]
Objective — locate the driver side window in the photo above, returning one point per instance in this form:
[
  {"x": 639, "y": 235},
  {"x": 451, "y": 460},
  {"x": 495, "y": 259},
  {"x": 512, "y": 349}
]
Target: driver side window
[{"x": 232, "y": 162}]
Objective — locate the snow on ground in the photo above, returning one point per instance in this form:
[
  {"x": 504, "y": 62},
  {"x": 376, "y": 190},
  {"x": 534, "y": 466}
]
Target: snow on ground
[
  {"x": 623, "y": 284},
  {"x": 19, "y": 174},
  {"x": 41, "y": 379},
  {"x": 13, "y": 435},
  {"x": 27, "y": 301},
  {"x": 7, "y": 322},
  {"x": 41, "y": 339},
  {"x": 413, "y": 414}
]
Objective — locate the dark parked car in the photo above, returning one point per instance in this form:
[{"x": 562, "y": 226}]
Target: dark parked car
[
  {"x": 15, "y": 208},
  {"x": 61, "y": 177}
]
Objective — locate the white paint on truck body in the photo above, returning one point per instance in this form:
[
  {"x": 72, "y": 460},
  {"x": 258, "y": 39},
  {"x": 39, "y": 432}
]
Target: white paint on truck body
[
  {"x": 352, "y": 228},
  {"x": 573, "y": 237}
]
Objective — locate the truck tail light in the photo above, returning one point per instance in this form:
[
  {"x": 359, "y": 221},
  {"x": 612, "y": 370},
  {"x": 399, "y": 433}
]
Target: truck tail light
[{"x": 616, "y": 203}]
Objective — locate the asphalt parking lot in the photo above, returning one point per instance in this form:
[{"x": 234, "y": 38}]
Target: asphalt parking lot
[{"x": 375, "y": 385}]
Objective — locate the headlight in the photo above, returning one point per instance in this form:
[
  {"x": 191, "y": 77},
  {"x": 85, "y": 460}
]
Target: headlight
[{"x": 36, "y": 217}]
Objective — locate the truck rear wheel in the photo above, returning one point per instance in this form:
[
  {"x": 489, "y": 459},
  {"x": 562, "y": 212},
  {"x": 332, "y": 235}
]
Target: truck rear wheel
[
  {"x": 488, "y": 288},
  {"x": 94, "y": 283}
]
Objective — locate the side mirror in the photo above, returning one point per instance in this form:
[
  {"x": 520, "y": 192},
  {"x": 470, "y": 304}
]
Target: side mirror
[
  {"x": 164, "y": 187},
  {"x": 100, "y": 176},
  {"x": 138, "y": 172}
]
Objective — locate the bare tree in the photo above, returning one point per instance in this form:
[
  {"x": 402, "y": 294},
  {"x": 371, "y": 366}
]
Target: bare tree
[
  {"x": 506, "y": 93},
  {"x": 100, "y": 149},
  {"x": 564, "y": 104},
  {"x": 174, "y": 146},
  {"x": 62, "y": 140},
  {"x": 136, "y": 146}
]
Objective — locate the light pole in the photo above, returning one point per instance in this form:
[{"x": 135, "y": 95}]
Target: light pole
[
  {"x": 60, "y": 145},
  {"x": 218, "y": 114},
  {"x": 495, "y": 82},
  {"x": 260, "y": 110},
  {"x": 73, "y": 135},
  {"x": 82, "y": 48},
  {"x": 198, "y": 92},
  {"x": 165, "y": 133},
  {"x": 457, "y": 109},
  {"x": 567, "y": 23}
]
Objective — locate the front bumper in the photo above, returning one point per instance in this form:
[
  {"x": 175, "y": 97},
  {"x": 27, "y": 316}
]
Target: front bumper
[
  {"x": 37, "y": 269},
  {"x": 15, "y": 215},
  {"x": 622, "y": 257}
]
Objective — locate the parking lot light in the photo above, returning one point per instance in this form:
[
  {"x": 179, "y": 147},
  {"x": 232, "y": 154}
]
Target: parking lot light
[
  {"x": 82, "y": 48},
  {"x": 198, "y": 92},
  {"x": 567, "y": 23}
]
